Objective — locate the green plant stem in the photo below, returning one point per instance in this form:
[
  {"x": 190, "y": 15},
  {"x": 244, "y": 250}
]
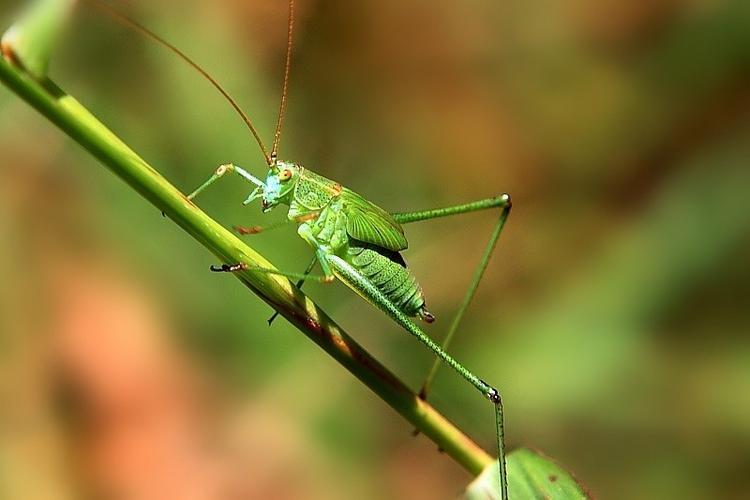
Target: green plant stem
[{"x": 73, "y": 119}]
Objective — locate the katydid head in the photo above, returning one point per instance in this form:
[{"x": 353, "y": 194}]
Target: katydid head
[{"x": 279, "y": 186}]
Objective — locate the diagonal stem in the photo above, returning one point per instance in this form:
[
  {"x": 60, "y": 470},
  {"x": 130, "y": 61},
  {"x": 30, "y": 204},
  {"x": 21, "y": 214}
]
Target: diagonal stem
[{"x": 76, "y": 121}]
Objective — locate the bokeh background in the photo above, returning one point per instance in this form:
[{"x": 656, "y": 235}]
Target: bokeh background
[{"x": 615, "y": 315}]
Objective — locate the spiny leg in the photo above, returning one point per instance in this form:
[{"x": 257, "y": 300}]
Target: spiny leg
[
  {"x": 258, "y": 229},
  {"x": 299, "y": 283},
  {"x": 502, "y": 202},
  {"x": 370, "y": 292},
  {"x": 321, "y": 255},
  {"x": 238, "y": 267}
]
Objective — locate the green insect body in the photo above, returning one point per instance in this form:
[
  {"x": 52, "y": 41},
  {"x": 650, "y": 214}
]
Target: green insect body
[
  {"x": 337, "y": 221},
  {"x": 360, "y": 243}
]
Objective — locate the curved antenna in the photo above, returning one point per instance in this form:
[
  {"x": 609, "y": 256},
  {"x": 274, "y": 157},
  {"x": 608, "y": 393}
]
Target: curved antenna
[
  {"x": 285, "y": 88},
  {"x": 136, "y": 26}
]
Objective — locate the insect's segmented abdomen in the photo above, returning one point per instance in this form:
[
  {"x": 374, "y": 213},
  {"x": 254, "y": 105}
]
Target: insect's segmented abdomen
[{"x": 388, "y": 272}]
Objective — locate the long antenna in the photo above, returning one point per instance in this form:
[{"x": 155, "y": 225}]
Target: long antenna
[
  {"x": 135, "y": 25},
  {"x": 285, "y": 88}
]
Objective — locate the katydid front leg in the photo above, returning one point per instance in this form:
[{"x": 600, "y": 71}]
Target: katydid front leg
[{"x": 221, "y": 171}]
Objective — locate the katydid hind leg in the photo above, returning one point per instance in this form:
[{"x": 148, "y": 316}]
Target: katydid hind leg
[
  {"x": 349, "y": 275},
  {"x": 503, "y": 203}
]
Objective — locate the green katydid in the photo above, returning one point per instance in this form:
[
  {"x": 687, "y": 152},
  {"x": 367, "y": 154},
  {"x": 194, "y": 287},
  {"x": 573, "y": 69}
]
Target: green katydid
[{"x": 353, "y": 239}]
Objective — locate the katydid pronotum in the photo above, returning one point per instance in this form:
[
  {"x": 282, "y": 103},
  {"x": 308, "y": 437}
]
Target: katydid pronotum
[{"x": 353, "y": 239}]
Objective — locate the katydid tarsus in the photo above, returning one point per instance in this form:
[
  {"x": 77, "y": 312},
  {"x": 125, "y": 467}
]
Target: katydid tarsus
[{"x": 353, "y": 239}]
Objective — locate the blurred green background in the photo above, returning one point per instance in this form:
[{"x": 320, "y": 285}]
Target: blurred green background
[{"x": 615, "y": 316}]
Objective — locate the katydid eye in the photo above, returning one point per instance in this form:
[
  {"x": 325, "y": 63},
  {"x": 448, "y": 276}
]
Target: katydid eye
[{"x": 285, "y": 175}]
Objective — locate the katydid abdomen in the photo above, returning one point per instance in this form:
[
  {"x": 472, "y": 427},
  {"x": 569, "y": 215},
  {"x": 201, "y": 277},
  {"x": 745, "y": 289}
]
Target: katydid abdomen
[{"x": 388, "y": 272}]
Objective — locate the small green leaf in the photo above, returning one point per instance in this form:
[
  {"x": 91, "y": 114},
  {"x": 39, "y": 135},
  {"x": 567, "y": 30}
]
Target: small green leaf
[
  {"x": 530, "y": 476},
  {"x": 29, "y": 42}
]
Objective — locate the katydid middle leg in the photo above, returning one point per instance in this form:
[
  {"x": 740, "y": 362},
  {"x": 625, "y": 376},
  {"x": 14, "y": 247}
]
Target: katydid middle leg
[
  {"x": 240, "y": 266},
  {"x": 501, "y": 202},
  {"x": 299, "y": 283},
  {"x": 249, "y": 230},
  {"x": 321, "y": 257}
]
